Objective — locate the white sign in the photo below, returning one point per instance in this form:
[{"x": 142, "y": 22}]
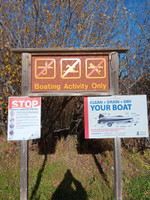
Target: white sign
[
  {"x": 24, "y": 118},
  {"x": 116, "y": 116}
]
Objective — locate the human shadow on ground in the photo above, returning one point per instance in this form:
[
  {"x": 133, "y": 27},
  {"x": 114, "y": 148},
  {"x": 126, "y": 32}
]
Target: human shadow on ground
[
  {"x": 69, "y": 189},
  {"x": 35, "y": 189}
]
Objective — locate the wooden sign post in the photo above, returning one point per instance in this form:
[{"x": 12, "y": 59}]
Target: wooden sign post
[
  {"x": 24, "y": 144},
  {"x": 69, "y": 72},
  {"x": 117, "y": 141}
]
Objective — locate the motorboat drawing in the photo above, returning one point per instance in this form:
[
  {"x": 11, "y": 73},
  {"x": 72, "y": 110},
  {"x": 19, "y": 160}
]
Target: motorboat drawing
[{"x": 114, "y": 119}]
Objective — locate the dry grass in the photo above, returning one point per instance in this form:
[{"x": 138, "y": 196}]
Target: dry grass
[{"x": 68, "y": 171}]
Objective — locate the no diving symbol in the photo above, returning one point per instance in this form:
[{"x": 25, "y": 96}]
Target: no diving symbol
[{"x": 70, "y": 68}]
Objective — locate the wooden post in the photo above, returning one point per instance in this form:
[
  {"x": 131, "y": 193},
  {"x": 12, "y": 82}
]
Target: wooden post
[
  {"x": 117, "y": 169},
  {"x": 117, "y": 141},
  {"x": 24, "y": 171},
  {"x": 26, "y": 64}
]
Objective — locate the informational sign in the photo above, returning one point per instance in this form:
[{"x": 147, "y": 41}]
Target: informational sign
[
  {"x": 116, "y": 116},
  {"x": 24, "y": 118},
  {"x": 70, "y": 73}
]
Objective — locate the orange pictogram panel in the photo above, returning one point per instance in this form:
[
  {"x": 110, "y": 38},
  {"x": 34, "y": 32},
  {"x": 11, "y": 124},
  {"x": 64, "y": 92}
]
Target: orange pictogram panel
[
  {"x": 70, "y": 68},
  {"x": 95, "y": 68},
  {"x": 45, "y": 68}
]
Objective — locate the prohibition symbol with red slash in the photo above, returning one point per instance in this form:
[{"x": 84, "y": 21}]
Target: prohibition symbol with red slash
[
  {"x": 95, "y": 68},
  {"x": 45, "y": 68}
]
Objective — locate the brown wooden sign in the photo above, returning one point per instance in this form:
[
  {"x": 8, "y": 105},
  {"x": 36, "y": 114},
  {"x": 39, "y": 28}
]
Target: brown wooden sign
[{"x": 70, "y": 73}]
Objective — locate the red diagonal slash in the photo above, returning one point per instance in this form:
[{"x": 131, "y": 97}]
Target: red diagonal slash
[
  {"x": 95, "y": 68},
  {"x": 45, "y": 68}
]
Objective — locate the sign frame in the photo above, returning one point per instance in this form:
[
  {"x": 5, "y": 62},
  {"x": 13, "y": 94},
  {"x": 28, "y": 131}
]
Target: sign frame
[{"x": 27, "y": 55}]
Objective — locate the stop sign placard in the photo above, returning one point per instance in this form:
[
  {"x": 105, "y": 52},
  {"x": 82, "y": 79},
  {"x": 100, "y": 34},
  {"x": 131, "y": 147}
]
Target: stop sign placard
[{"x": 24, "y": 118}]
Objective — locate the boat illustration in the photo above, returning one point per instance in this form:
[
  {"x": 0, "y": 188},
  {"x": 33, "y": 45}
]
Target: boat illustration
[{"x": 114, "y": 119}]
